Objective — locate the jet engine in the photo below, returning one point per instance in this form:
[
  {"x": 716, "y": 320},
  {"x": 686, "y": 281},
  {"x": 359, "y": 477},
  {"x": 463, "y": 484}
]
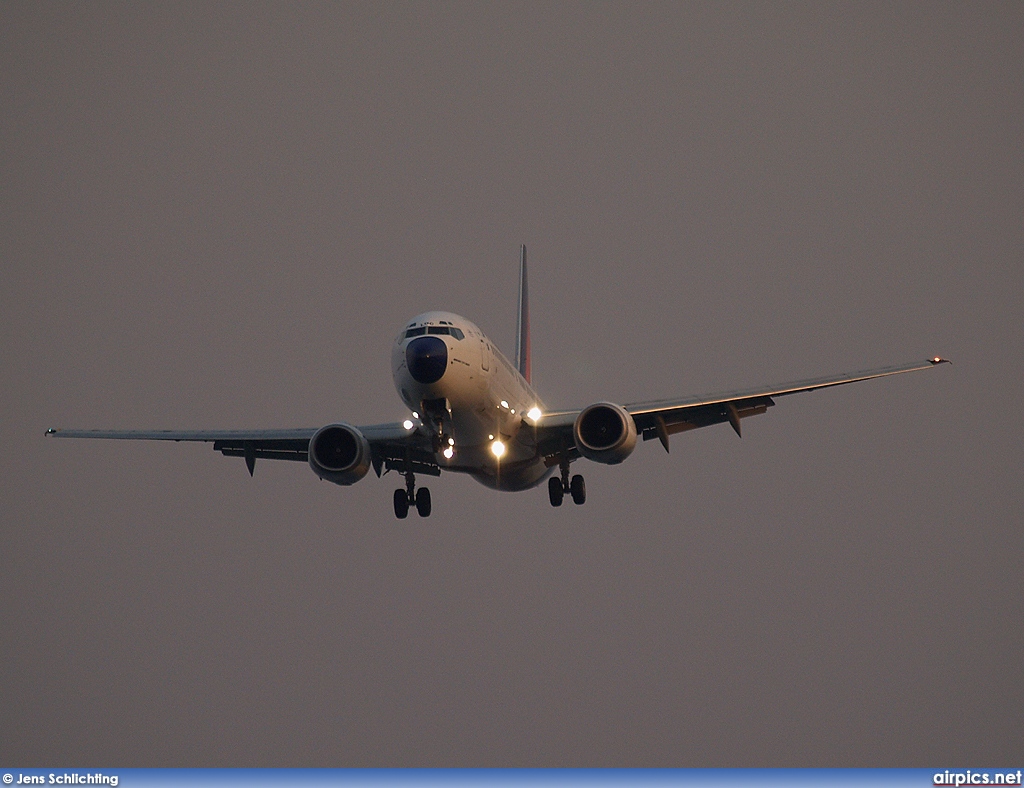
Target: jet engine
[
  {"x": 339, "y": 453},
  {"x": 605, "y": 433}
]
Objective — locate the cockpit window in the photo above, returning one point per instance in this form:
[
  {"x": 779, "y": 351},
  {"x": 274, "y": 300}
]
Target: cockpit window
[{"x": 436, "y": 330}]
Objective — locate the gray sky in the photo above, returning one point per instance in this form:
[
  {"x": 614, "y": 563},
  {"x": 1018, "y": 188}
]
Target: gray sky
[{"x": 220, "y": 215}]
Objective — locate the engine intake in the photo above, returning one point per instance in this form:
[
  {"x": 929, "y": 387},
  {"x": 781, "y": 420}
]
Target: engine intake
[
  {"x": 605, "y": 433},
  {"x": 339, "y": 453}
]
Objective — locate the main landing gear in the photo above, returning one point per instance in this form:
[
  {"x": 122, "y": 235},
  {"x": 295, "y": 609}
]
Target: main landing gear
[
  {"x": 558, "y": 487},
  {"x": 410, "y": 496}
]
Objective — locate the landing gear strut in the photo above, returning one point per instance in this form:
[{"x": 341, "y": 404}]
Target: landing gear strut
[
  {"x": 557, "y": 488},
  {"x": 410, "y": 496}
]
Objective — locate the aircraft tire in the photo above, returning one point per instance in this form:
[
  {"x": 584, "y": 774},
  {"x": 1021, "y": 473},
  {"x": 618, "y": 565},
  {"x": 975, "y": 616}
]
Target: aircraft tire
[
  {"x": 555, "y": 491},
  {"x": 401, "y": 504},
  {"x": 423, "y": 502},
  {"x": 578, "y": 490}
]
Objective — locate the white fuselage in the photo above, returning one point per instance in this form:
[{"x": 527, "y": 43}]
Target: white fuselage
[{"x": 467, "y": 396}]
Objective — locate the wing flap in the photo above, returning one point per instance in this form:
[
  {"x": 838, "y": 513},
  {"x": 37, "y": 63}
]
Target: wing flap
[
  {"x": 673, "y": 422},
  {"x": 265, "y": 449}
]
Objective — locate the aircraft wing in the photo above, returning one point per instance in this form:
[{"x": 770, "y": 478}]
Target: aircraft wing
[
  {"x": 389, "y": 443},
  {"x": 661, "y": 418}
]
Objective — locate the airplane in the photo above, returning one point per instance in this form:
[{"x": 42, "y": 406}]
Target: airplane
[{"x": 473, "y": 411}]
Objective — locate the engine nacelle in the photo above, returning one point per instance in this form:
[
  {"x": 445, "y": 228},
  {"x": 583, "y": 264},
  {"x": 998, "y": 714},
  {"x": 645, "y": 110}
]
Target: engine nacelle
[
  {"x": 605, "y": 433},
  {"x": 339, "y": 453}
]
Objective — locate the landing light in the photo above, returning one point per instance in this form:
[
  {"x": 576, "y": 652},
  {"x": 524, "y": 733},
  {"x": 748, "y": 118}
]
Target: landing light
[
  {"x": 533, "y": 414},
  {"x": 497, "y": 448},
  {"x": 407, "y": 424},
  {"x": 504, "y": 404},
  {"x": 451, "y": 441},
  {"x": 415, "y": 415},
  {"x": 448, "y": 453}
]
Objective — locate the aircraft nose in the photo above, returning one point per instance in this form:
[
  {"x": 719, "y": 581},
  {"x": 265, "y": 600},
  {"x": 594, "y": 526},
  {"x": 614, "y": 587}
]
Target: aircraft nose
[{"x": 427, "y": 359}]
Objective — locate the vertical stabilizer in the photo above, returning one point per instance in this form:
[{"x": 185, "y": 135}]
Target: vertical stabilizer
[{"x": 523, "y": 321}]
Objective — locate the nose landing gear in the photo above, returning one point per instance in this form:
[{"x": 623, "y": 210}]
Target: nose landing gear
[
  {"x": 558, "y": 487},
  {"x": 410, "y": 496}
]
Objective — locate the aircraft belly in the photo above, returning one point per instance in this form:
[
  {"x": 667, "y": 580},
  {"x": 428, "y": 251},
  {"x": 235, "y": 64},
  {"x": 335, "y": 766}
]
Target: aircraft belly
[{"x": 512, "y": 477}]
